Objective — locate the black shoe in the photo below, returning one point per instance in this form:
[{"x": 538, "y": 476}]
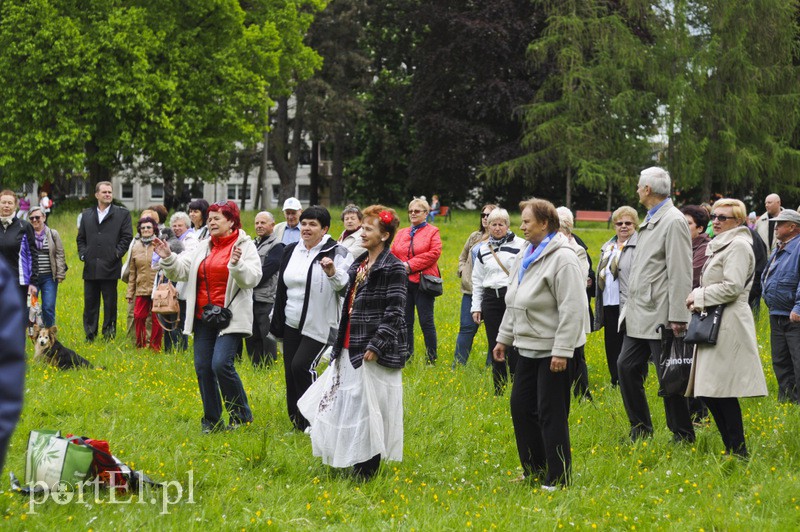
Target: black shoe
[
  {"x": 639, "y": 433},
  {"x": 683, "y": 438}
]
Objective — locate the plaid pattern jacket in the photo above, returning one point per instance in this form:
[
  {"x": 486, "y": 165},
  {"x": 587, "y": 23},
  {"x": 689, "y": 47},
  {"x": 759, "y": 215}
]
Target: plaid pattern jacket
[{"x": 378, "y": 318}]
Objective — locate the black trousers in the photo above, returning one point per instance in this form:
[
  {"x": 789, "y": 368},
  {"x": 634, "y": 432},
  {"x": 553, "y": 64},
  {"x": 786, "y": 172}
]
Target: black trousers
[
  {"x": 301, "y": 355},
  {"x": 579, "y": 377},
  {"x": 632, "y": 366},
  {"x": 785, "y": 339},
  {"x": 93, "y": 290},
  {"x": 613, "y": 340},
  {"x": 728, "y": 417},
  {"x": 261, "y": 348},
  {"x": 493, "y": 306},
  {"x": 540, "y": 413}
]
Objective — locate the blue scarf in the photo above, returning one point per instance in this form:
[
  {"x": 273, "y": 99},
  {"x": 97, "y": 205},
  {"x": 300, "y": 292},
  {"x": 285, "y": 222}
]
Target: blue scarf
[
  {"x": 533, "y": 254},
  {"x": 415, "y": 228}
]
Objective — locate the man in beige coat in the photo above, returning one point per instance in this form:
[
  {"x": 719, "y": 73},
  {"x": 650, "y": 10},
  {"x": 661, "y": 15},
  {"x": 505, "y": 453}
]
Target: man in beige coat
[{"x": 660, "y": 280}]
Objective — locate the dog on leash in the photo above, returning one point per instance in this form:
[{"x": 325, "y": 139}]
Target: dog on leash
[{"x": 49, "y": 350}]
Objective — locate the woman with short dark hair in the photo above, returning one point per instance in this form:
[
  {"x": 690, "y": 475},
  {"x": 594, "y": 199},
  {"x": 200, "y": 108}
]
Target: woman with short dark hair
[
  {"x": 141, "y": 278},
  {"x": 198, "y": 214},
  {"x": 311, "y": 282}
]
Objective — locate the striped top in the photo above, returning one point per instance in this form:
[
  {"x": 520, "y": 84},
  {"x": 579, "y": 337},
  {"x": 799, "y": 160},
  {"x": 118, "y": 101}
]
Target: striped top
[{"x": 43, "y": 254}]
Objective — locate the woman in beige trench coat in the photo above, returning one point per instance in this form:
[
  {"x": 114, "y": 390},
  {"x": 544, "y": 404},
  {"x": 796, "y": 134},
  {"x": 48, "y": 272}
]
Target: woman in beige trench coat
[{"x": 730, "y": 369}]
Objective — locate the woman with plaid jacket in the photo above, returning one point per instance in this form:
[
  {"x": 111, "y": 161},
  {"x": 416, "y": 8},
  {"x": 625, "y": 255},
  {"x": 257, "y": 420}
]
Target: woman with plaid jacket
[{"x": 356, "y": 407}]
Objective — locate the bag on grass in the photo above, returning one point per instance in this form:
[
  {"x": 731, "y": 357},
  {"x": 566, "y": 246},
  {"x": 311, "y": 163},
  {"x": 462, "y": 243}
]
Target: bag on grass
[
  {"x": 675, "y": 364},
  {"x": 56, "y": 461}
]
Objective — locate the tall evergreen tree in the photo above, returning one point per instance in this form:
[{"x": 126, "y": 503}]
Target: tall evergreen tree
[{"x": 590, "y": 120}]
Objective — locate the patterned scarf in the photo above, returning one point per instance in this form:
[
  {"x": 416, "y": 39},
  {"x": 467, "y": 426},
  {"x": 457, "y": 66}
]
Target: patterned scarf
[{"x": 40, "y": 238}]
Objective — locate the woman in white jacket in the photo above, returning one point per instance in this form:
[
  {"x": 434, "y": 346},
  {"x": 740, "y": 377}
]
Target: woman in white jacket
[
  {"x": 308, "y": 303},
  {"x": 221, "y": 271},
  {"x": 490, "y": 268}
]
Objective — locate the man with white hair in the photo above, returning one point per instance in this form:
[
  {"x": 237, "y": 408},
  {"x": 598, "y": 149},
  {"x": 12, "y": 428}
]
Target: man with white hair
[
  {"x": 261, "y": 347},
  {"x": 765, "y": 225},
  {"x": 288, "y": 232},
  {"x": 660, "y": 279}
]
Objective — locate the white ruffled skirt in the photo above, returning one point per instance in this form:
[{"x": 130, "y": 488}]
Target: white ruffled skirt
[{"x": 355, "y": 413}]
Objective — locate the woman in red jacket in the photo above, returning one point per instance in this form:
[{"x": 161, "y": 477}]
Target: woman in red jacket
[{"x": 419, "y": 247}]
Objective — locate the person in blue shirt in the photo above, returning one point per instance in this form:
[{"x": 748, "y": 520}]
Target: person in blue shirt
[{"x": 781, "y": 293}]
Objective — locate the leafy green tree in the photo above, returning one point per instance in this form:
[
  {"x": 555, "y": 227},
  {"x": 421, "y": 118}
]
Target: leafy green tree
[
  {"x": 590, "y": 119},
  {"x": 729, "y": 96},
  {"x": 171, "y": 86}
]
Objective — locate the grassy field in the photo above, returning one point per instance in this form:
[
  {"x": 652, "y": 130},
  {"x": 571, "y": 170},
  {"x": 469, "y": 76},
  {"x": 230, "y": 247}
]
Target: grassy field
[{"x": 459, "y": 446}]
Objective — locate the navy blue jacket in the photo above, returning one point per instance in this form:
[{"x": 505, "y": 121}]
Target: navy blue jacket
[
  {"x": 780, "y": 282},
  {"x": 12, "y": 355},
  {"x": 378, "y": 319}
]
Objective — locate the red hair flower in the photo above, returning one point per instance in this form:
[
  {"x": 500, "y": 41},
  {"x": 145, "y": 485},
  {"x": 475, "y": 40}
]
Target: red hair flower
[{"x": 386, "y": 217}]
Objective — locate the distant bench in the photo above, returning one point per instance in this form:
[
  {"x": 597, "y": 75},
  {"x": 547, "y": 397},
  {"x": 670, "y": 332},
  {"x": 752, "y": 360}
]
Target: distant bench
[{"x": 593, "y": 216}]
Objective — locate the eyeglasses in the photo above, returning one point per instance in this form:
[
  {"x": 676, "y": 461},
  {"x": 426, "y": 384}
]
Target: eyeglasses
[
  {"x": 34, "y": 217},
  {"x": 620, "y": 224},
  {"x": 146, "y": 228},
  {"x": 721, "y": 217},
  {"x": 485, "y": 214},
  {"x": 415, "y": 211}
]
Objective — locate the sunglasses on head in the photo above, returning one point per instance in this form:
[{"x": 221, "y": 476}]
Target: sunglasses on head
[
  {"x": 620, "y": 224},
  {"x": 721, "y": 217},
  {"x": 222, "y": 203}
]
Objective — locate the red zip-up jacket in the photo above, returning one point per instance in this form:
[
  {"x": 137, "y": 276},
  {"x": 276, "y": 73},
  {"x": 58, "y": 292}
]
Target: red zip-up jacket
[{"x": 422, "y": 254}]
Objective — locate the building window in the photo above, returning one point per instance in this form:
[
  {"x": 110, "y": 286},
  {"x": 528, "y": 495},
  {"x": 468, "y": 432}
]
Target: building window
[
  {"x": 127, "y": 191},
  {"x": 157, "y": 191},
  {"x": 77, "y": 187},
  {"x": 235, "y": 191},
  {"x": 304, "y": 193}
]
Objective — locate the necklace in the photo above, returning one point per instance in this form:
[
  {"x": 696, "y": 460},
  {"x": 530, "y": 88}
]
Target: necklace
[{"x": 363, "y": 272}]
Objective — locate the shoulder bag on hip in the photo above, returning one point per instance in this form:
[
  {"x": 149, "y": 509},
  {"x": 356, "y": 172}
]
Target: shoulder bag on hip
[{"x": 704, "y": 326}]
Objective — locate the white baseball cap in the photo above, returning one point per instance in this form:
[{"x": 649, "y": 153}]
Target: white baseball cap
[{"x": 292, "y": 204}]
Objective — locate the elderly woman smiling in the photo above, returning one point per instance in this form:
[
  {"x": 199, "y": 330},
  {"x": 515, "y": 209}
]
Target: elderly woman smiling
[{"x": 545, "y": 294}]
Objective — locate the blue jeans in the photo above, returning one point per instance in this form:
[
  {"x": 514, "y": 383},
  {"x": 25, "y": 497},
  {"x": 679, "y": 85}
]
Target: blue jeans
[
  {"x": 48, "y": 289},
  {"x": 466, "y": 332},
  {"x": 213, "y": 363},
  {"x": 423, "y": 303}
]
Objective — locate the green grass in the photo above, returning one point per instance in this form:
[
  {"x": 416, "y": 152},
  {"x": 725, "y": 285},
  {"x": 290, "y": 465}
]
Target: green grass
[{"x": 459, "y": 445}]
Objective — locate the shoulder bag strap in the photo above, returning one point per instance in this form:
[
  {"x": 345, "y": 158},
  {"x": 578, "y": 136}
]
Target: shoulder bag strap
[{"x": 497, "y": 259}]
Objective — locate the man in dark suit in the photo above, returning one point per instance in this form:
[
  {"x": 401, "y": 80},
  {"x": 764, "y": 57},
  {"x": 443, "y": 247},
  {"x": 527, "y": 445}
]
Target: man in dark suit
[
  {"x": 12, "y": 355},
  {"x": 103, "y": 238}
]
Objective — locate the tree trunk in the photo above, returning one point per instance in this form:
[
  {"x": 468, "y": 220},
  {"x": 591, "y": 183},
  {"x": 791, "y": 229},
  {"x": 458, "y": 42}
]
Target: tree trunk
[
  {"x": 170, "y": 201},
  {"x": 97, "y": 172},
  {"x": 246, "y": 165},
  {"x": 337, "y": 169},
  {"x": 610, "y": 193},
  {"x": 262, "y": 173},
  {"x": 287, "y": 139},
  {"x": 568, "y": 202},
  {"x": 314, "y": 197}
]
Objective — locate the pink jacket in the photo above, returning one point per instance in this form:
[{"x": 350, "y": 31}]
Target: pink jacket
[{"x": 423, "y": 255}]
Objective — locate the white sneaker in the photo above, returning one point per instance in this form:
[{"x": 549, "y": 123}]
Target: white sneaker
[
  {"x": 549, "y": 488},
  {"x": 308, "y": 430}
]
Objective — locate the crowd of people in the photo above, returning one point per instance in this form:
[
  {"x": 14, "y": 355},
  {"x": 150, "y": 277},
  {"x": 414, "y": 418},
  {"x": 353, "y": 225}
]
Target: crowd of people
[{"x": 355, "y": 299}]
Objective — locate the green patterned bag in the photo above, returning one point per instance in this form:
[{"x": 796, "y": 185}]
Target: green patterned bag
[{"x": 54, "y": 460}]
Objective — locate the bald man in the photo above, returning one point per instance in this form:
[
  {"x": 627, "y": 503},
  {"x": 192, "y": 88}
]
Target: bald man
[
  {"x": 261, "y": 347},
  {"x": 765, "y": 226}
]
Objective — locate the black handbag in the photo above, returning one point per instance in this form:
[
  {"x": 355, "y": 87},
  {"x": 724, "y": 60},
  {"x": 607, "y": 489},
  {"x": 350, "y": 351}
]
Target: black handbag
[
  {"x": 704, "y": 326},
  {"x": 431, "y": 285},
  {"x": 214, "y": 315}
]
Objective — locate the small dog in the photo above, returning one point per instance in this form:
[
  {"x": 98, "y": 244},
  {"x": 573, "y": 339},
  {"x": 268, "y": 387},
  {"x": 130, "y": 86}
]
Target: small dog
[{"x": 49, "y": 350}]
